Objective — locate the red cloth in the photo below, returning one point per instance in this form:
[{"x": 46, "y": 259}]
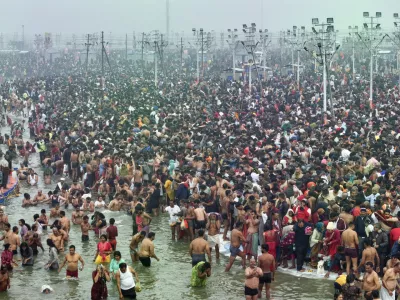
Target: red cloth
[
  {"x": 99, "y": 290},
  {"x": 334, "y": 240},
  {"x": 302, "y": 214},
  {"x": 103, "y": 247},
  {"x": 112, "y": 232},
  {"x": 72, "y": 274},
  {"x": 394, "y": 235},
  {"x": 113, "y": 244},
  {"x": 270, "y": 240},
  {"x": 6, "y": 258}
]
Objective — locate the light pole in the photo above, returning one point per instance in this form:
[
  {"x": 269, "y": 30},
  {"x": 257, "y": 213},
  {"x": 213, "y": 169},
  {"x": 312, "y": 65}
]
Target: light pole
[
  {"x": 353, "y": 31},
  {"x": 198, "y": 38},
  {"x": 156, "y": 38},
  {"x": 397, "y": 39},
  {"x": 324, "y": 44},
  {"x": 296, "y": 39},
  {"x": 250, "y": 45},
  {"x": 264, "y": 38},
  {"x": 369, "y": 41},
  {"x": 232, "y": 42}
]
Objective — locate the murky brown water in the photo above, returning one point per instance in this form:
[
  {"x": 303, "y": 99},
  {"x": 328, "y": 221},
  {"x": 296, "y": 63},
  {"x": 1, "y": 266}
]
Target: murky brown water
[{"x": 168, "y": 279}]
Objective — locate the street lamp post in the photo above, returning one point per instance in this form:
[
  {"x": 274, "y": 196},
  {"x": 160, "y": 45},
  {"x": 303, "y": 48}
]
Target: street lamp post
[
  {"x": 323, "y": 36},
  {"x": 353, "y": 31},
  {"x": 232, "y": 36},
  {"x": 369, "y": 43},
  {"x": 397, "y": 37},
  {"x": 197, "y": 34},
  {"x": 264, "y": 38},
  {"x": 296, "y": 38},
  {"x": 250, "y": 45}
]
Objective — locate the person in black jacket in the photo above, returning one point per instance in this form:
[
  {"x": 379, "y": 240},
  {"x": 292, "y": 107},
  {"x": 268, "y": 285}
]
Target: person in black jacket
[
  {"x": 301, "y": 242},
  {"x": 381, "y": 243},
  {"x": 360, "y": 223}
]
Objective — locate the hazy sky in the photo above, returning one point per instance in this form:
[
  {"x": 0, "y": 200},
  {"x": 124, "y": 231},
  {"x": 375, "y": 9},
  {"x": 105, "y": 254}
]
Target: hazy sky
[{"x": 126, "y": 16}]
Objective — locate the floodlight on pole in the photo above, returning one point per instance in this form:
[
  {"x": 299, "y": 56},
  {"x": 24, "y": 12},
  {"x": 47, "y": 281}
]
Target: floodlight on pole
[
  {"x": 370, "y": 43},
  {"x": 233, "y": 44},
  {"x": 315, "y": 21},
  {"x": 329, "y": 20}
]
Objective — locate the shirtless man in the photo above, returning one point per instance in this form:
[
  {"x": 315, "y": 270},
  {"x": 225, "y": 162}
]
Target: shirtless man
[
  {"x": 391, "y": 262},
  {"x": 146, "y": 251},
  {"x": 252, "y": 234},
  {"x": 133, "y": 246},
  {"x": 8, "y": 236},
  {"x": 115, "y": 204},
  {"x": 252, "y": 273},
  {"x": 350, "y": 243},
  {"x": 370, "y": 280},
  {"x": 85, "y": 227},
  {"x": 77, "y": 216},
  {"x": 198, "y": 249},
  {"x": 41, "y": 198},
  {"x": 224, "y": 202},
  {"x": 237, "y": 239},
  {"x": 57, "y": 238},
  {"x": 369, "y": 254},
  {"x": 3, "y": 219},
  {"x": 201, "y": 218},
  {"x": 4, "y": 279},
  {"x": 65, "y": 222},
  {"x": 190, "y": 217},
  {"x": 389, "y": 281},
  {"x": 74, "y": 164},
  {"x": 14, "y": 240},
  {"x": 213, "y": 226},
  {"x": 137, "y": 177},
  {"x": 221, "y": 186},
  {"x": 27, "y": 201},
  {"x": 55, "y": 212},
  {"x": 266, "y": 262},
  {"x": 72, "y": 259}
]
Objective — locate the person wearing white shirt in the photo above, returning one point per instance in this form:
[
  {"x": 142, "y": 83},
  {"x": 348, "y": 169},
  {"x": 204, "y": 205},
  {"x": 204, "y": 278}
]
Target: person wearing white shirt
[
  {"x": 99, "y": 203},
  {"x": 173, "y": 211}
]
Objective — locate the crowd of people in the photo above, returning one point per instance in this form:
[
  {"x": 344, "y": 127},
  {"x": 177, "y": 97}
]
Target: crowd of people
[{"x": 261, "y": 168}]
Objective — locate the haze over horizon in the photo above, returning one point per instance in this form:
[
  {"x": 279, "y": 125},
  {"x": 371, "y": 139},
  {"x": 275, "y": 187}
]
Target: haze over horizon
[{"x": 126, "y": 16}]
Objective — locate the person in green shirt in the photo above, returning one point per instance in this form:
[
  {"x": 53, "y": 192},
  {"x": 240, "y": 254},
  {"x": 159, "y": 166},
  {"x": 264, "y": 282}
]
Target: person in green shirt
[
  {"x": 114, "y": 264},
  {"x": 200, "y": 272}
]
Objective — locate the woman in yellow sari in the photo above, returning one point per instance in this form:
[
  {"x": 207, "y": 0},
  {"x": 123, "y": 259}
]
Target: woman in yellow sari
[{"x": 169, "y": 188}]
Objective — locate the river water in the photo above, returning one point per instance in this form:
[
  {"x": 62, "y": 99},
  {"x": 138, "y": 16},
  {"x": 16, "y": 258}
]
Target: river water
[{"x": 167, "y": 279}]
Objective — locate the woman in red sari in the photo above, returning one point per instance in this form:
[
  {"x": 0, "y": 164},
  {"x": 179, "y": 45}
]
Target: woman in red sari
[
  {"x": 332, "y": 239},
  {"x": 103, "y": 252},
  {"x": 270, "y": 237}
]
